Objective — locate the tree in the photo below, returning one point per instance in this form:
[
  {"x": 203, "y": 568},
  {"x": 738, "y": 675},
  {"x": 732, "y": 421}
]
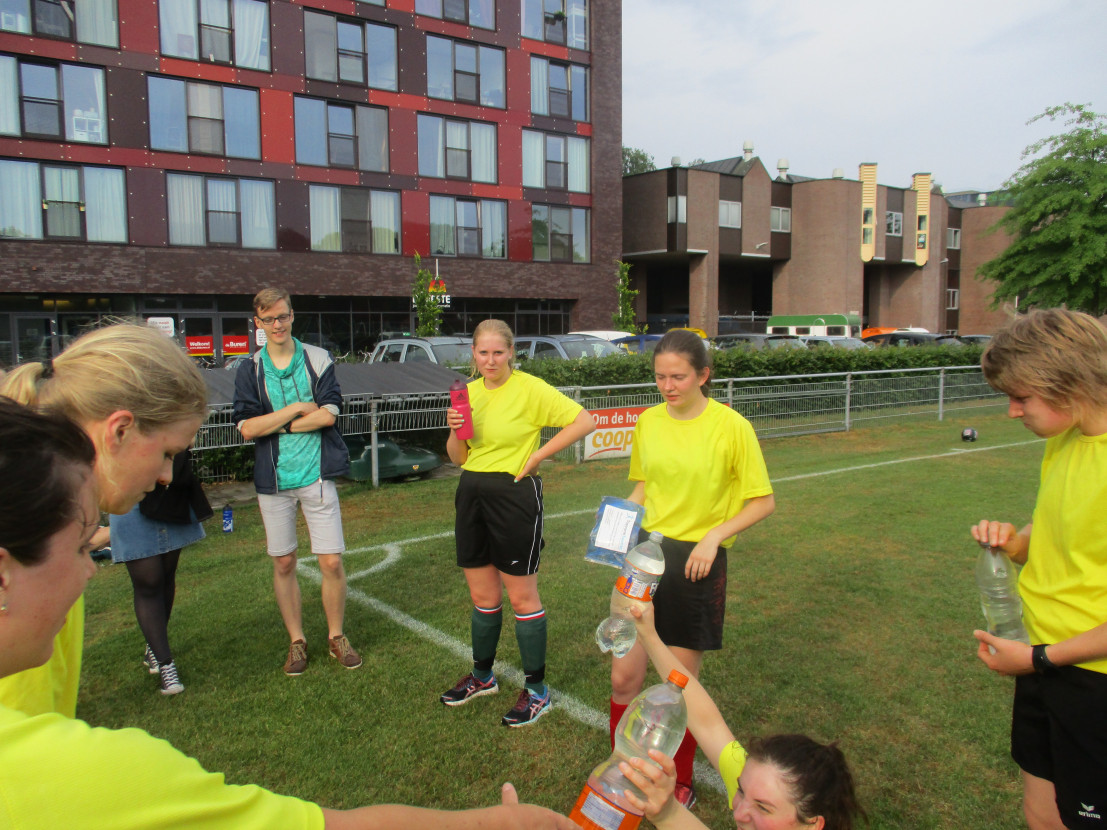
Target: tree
[
  {"x": 1058, "y": 219},
  {"x": 625, "y": 318},
  {"x": 637, "y": 161},
  {"x": 428, "y": 313}
]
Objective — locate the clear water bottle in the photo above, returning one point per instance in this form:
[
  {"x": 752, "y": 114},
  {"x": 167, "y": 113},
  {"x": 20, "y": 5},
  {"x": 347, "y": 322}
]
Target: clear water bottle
[
  {"x": 999, "y": 594},
  {"x": 459, "y": 400},
  {"x": 656, "y": 719},
  {"x": 636, "y": 585}
]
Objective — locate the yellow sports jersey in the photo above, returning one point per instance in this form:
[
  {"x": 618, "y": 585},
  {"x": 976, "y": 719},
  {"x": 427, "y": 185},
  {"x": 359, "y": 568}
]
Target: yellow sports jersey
[
  {"x": 699, "y": 472},
  {"x": 61, "y": 772},
  {"x": 732, "y": 760},
  {"x": 1064, "y": 582},
  {"x": 508, "y": 421},
  {"x": 51, "y": 687}
]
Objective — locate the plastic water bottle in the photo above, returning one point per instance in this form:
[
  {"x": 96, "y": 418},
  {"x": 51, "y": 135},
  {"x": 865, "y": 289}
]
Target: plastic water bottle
[
  {"x": 656, "y": 719},
  {"x": 999, "y": 594},
  {"x": 636, "y": 585},
  {"x": 228, "y": 519},
  {"x": 459, "y": 400}
]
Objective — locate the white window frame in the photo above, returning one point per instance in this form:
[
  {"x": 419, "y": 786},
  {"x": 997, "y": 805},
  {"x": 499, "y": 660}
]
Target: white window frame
[
  {"x": 953, "y": 299},
  {"x": 893, "y": 223},
  {"x": 730, "y": 214},
  {"x": 953, "y": 239},
  {"x": 780, "y": 219}
]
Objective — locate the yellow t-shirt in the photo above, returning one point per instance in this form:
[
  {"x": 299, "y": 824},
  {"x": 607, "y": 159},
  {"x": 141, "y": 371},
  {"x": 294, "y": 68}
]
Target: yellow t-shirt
[
  {"x": 699, "y": 472},
  {"x": 60, "y": 772},
  {"x": 51, "y": 687},
  {"x": 508, "y": 421},
  {"x": 732, "y": 760},
  {"x": 1064, "y": 582}
]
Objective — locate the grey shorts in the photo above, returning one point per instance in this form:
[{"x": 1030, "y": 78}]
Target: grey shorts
[{"x": 319, "y": 501}]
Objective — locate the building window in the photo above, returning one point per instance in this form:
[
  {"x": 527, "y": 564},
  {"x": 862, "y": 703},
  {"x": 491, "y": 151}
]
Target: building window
[
  {"x": 780, "y": 219},
  {"x": 234, "y": 32},
  {"x": 459, "y": 71},
  {"x": 350, "y": 50},
  {"x": 557, "y": 21},
  {"x": 556, "y": 161},
  {"x": 338, "y": 135},
  {"x": 730, "y": 214},
  {"x": 560, "y": 234},
  {"x": 558, "y": 89},
  {"x": 893, "y": 223},
  {"x": 55, "y": 101},
  {"x": 457, "y": 149},
  {"x": 953, "y": 238},
  {"x": 89, "y": 21},
  {"x": 54, "y": 201},
  {"x": 953, "y": 298},
  {"x": 468, "y": 227},
  {"x": 355, "y": 220},
  {"x": 677, "y": 210},
  {"x": 479, "y": 13},
  {"x": 193, "y": 117},
  {"x": 217, "y": 211}
]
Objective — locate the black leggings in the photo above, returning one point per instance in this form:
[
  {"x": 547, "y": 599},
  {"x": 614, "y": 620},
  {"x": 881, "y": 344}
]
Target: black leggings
[{"x": 155, "y": 584}]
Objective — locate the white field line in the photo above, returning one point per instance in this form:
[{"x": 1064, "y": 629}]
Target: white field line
[{"x": 576, "y": 709}]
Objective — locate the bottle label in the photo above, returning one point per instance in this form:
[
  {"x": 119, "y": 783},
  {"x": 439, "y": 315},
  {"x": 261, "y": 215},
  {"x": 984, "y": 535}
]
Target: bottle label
[
  {"x": 594, "y": 812},
  {"x": 635, "y": 588}
]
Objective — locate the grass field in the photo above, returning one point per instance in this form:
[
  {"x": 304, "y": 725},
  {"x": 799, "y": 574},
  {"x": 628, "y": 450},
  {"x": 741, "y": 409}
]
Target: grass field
[{"x": 850, "y": 614}]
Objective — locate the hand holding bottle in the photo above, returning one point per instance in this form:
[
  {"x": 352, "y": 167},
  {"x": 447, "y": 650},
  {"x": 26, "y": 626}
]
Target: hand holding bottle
[{"x": 656, "y": 781}]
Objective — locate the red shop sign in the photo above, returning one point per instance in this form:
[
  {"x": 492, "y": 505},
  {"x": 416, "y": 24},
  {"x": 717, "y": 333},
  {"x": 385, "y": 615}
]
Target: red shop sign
[
  {"x": 236, "y": 344},
  {"x": 203, "y": 344}
]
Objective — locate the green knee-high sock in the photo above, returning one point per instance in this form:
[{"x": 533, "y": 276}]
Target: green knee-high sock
[
  {"x": 486, "y": 625},
  {"x": 530, "y": 631}
]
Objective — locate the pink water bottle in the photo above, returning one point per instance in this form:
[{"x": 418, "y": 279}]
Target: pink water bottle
[{"x": 459, "y": 400}]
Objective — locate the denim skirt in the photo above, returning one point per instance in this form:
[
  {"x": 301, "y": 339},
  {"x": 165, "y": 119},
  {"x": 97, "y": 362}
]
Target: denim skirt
[{"x": 133, "y": 536}]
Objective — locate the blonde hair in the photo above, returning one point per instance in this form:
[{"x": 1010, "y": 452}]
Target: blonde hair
[
  {"x": 498, "y": 328},
  {"x": 120, "y": 367},
  {"x": 1057, "y": 354},
  {"x": 269, "y": 297}
]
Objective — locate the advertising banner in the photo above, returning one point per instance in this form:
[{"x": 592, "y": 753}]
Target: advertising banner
[
  {"x": 236, "y": 344},
  {"x": 199, "y": 345},
  {"x": 614, "y": 432}
]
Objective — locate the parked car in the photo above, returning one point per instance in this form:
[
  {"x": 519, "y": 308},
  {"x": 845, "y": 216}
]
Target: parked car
[
  {"x": 563, "y": 346},
  {"x": 638, "y": 343},
  {"x": 394, "y": 460},
  {"x": 904, "y": 338},
  {"x": 823, "y": 341},
  {"x": 448, "y": 351},
  {"x": 752, "y": 340},
  {"x": 604, "y": 334},
  {"x": 981, "y": 339}
]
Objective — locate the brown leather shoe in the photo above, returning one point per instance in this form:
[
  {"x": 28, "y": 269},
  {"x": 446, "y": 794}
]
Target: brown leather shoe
[
  {"x": 297, "y": 658},
  {"x": 343, "y": 652}
]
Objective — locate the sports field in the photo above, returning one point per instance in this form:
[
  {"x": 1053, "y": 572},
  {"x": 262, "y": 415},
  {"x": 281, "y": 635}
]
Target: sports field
[{"x": 849, "y": 617}]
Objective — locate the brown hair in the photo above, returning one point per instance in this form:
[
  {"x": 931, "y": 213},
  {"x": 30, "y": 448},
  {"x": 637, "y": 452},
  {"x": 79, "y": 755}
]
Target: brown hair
[
  {"x": 268, "y": 297},
  {"x": 498, "y": 328},
  {"x": 688, "y": 345}
]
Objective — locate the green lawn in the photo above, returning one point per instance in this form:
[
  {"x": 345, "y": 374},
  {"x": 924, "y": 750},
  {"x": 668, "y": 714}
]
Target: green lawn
[{"x": 850, "y": 617}]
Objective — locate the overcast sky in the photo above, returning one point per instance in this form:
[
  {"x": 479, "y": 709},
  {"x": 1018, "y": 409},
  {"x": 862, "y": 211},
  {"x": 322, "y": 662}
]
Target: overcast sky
[{"x": 940, "y": 86}]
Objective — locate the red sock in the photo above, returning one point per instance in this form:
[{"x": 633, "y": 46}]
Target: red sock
[
  {"x": 683, "y": 759},
  {"x": 617, "y": 710}
]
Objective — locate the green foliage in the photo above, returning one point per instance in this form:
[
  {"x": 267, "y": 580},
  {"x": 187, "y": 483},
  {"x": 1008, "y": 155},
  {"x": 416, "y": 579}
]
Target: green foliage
[
  {"x": 625, "y": 319},
  {"x": 1058, "y": 219},
  {"x": 637, "y": 161},
  {"x": 428, "y": 313},
  {"x": 225, "y": 463}
]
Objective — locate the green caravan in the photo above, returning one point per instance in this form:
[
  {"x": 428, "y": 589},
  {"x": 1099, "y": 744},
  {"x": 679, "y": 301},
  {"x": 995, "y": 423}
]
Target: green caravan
[{"x": 827, "y": 325}]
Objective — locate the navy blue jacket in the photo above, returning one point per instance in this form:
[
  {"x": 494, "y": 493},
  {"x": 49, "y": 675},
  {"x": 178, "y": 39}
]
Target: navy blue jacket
[{"x": 251, "y": 399}]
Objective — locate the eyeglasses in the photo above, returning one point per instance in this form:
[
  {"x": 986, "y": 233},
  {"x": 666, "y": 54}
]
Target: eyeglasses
[{"x": 280, "y": 318}]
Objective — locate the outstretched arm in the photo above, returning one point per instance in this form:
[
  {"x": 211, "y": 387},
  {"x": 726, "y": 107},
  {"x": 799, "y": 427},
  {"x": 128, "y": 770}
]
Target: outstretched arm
[{"x": 582, "y": 425}]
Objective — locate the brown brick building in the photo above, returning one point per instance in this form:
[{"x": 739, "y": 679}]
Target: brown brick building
[{"x": 166, "y": 158}]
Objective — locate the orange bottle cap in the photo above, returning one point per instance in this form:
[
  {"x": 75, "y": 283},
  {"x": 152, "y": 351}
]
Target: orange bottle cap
[{"x": 678, "y": 678}]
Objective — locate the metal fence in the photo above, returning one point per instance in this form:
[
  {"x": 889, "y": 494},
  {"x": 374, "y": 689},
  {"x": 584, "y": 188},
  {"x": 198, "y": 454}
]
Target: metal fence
[{"x": 776, "y": 406}]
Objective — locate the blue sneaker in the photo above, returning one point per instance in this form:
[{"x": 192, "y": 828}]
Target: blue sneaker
[
  {"x": 527, "y": 709},
  {"x": 468, "y": 688}
]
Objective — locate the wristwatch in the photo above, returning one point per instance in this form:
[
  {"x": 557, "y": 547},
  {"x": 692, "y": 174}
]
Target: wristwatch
[{"x": 1042, "y": 663}]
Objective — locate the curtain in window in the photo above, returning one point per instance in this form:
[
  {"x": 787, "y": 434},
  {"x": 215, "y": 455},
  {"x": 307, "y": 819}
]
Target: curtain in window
[
  {"x": 9, "y": 96},
  {"x": 326, "y": 234},
  {"x": 432, "y": 146},
  {"x": 21, "y": 207},
  {"x": 577, "y": 35},
  {"x": 579, "y": 164},
  {"x": 372, "y": 139},
  {"x": 534, "y": 159},
  {"x": 493, "y": 219},
  {"x": 251, "y": 34},
  {"x": 483, "y": 149},
  {"x": 321, "y": 46},
  {"x": 539, "y": 86},
  {"x": 185, "y": 195},
  {"x": 442, "y": 226},
  {"x": 105, "y": 205},
  {"x": 63, "y": 195},
  {"x": 384, "y": 208},
  {"x": 17, "y": 16},
  {"x": 97, "y": 22},
  {"x": 178, "y": 19},
  {"x": 257, "y": 214}
]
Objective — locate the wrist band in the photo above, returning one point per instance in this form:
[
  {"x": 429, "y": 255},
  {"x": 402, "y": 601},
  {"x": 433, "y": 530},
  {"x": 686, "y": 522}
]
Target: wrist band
[{"x": 1042, "y": 663}]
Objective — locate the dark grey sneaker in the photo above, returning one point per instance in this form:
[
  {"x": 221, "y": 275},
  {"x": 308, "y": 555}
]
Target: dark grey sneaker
[
  {"x": 297, "y": 658},
  {"x": 149, "y": 660},
  {"x": 169, "y": 683},
  {"x": 343, "y": 652},
  {"x": 527, "y": 709},
  {"x": 468, "y": 688}
]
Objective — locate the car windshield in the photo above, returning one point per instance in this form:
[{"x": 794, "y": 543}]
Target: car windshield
[
  {"x": 453, "y": 354},
  {"x": 588, "y": 348}
]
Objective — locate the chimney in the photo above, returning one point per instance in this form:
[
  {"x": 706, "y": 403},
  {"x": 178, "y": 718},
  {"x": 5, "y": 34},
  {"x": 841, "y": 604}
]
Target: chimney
[
  {"x": 674, "y": 161},
  {"x": 747, "y": 150},
  {"x": 838, "y": 173},
  {"x": 782, "y": 168},
  {"x": 982, "y": 199}
]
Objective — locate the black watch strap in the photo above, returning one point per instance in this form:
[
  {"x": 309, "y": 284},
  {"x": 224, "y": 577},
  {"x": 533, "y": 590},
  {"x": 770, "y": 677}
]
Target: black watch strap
[{"x": 1041, "y": 661}]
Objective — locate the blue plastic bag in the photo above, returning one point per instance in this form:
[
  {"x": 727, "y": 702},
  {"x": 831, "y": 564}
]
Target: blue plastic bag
[{"x": 616, "y": 531}]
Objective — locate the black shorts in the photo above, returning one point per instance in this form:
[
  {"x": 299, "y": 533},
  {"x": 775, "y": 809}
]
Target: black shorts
[
  {"x": 689, "y": 614},
  {"x": 498, "y": 522},
  {"x": 1059, "y": 733}
]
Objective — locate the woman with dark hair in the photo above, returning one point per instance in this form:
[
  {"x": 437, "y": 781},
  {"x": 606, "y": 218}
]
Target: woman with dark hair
[
  {"x": 48, "y": 515},
  {"x": 699, "y": 472}
]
